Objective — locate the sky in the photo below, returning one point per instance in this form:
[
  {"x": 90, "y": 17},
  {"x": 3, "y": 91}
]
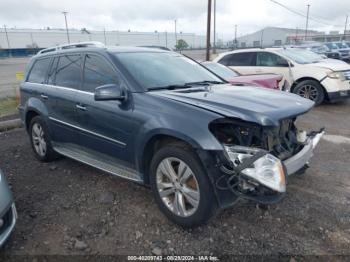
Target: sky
[{"x": 191, "y": 15}]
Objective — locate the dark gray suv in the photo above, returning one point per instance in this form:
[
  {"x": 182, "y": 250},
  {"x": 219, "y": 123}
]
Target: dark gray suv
[{"x": 163, "y": 120}]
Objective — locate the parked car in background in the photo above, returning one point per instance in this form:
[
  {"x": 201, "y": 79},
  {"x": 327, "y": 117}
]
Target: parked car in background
[
  {"x": 161, "y": 119},
  {"x": 340, "y": 47},
  {"x": 309, "y": 75},
  {"x": 321, "y": 49},
  {"x": 8, "y": 214},
  {"x": 266, "y": 80}
]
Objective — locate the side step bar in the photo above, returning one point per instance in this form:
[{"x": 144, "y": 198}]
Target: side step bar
[{"x": 97, "y": 160}]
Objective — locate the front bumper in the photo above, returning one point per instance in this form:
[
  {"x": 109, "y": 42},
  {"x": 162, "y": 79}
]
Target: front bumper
[
  {"x": 298, "y": 161},
  {"x": 8, "y": 224},
  {"x": 340, "y": 95}
]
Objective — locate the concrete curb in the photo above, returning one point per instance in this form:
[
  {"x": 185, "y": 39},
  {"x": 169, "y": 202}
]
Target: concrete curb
[{"x": 10, "y": 124}]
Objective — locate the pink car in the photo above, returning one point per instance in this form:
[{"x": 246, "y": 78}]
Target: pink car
[{"x": 267, "y": 80}]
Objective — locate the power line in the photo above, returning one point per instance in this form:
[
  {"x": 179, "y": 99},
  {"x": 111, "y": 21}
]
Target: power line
[{"x": 297, "y": 12}]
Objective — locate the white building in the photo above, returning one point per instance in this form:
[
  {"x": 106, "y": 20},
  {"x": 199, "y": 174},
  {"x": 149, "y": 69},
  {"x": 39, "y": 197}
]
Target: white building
[
  {"x": 274, "y": 36},
  {"x": 22, "y": 38}
]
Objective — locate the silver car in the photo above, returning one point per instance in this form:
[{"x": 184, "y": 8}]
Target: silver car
[{"x": 8, "y": 214}]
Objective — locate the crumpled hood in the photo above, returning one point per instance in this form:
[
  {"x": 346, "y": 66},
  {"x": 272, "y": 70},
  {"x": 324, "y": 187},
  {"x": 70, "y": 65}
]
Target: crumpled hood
[
  {"x": 254, "y": 104},
  {"x": 333, "y": 64}
]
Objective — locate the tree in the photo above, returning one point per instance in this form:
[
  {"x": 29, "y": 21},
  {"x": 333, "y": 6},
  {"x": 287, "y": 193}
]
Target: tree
[{"x": 181, "y": 44}]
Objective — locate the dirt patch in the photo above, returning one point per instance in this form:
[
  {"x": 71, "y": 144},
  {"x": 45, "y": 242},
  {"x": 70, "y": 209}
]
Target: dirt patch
[{"x": 69, "y": 208}]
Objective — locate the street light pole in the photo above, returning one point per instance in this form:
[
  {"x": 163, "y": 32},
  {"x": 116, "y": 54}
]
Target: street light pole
[
  {"x": 346, "y": 24},
  {"x": 208, "y": 31},
  {"x": 307, "y": 21},
  {"x": 65, "y": 18},
  {"x": 214, "y": 42},
  {"x": 7, "y": 37},
  {"x": 235, "y": 36},
  {"x": 175, "y": 33}
]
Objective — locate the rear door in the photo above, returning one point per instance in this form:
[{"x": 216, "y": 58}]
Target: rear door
[
  {"x": 64, "y": 81},
  {"x": 242, "y": 62}
]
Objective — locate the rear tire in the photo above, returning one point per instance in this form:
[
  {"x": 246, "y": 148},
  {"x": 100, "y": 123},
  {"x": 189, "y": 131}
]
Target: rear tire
[
  {"x": 310, "y": 89},
  {"x": 40, "y": 140},
  {"x": 187, "y": 197}
]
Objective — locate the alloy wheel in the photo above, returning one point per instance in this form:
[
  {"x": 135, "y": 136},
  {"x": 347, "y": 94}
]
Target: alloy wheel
[
  {"x": 38, "y": 139},
  {"x": 309, "y": 92},
  {"x": 177, "y": 187}
]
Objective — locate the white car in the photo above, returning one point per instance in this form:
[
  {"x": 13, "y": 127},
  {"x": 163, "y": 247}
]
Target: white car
[{"x": 307, "y": 74}]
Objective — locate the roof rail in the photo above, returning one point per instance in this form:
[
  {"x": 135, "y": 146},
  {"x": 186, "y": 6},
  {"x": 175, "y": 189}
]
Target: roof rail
[{"x": 73, "y": 45}]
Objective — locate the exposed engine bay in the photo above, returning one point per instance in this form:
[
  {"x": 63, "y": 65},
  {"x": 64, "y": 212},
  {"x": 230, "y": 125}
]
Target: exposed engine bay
[{"x": 252, "y": 163}]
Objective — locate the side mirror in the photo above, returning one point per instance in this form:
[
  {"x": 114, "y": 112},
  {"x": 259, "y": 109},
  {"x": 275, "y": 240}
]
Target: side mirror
[{"x": 110, "y": 92}]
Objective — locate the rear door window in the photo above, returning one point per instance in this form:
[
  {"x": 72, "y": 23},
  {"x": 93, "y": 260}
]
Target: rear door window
[
  {"x": 68, "y": 71},
  {"x": 38, "y": 72},
  {"x": 239, "y": 59},
  {"x": 97, "y": 72}
]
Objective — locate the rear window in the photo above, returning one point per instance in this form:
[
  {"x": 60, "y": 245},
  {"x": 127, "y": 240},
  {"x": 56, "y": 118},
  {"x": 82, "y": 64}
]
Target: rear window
[
  {"x": 239, "y": 59},
  {"x": 38, "y": 72}
]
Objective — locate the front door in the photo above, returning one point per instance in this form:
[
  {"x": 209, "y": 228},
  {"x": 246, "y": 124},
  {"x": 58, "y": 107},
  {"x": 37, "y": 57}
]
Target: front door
[
  {"x": 108, "y": 125},
  {"x": 270, "y": 63}
]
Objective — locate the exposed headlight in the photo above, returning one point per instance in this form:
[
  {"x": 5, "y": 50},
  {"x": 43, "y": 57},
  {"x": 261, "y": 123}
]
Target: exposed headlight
[
  {"x": 267, "y": 170},
  {"x": 336, "y": 75}
]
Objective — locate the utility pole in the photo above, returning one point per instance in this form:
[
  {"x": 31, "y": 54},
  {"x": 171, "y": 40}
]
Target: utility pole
[
  {"x": 7, "y": 37},
  {"x": 175, "y": 33},
  {"x": 235, "y": 36},
  {"x": 346, "y": 24},
  {"x": 262, "y": 39},
  {"x": 307, "y": 21},
  {"x": 214, "y": 45},
  {"x": 104, "y": 35},
  {"x": 166, "y": 39},
  {"x": 207, "y": 57},
  {"x": 65, "y": 18}
]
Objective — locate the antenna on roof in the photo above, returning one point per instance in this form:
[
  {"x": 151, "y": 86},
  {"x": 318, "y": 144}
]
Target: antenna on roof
[{"x": 73, "y": 45}]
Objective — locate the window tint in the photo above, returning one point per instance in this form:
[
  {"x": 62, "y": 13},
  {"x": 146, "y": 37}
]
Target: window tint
[
  {"x": 38, "y": 72},
  {"x": 269, "y": 59},
  {"x": 52, "y": 71},
  {"x": 68, "y": 72},
  {"x": 98, "y": 72},
  {"x": 239, "y": 59}
]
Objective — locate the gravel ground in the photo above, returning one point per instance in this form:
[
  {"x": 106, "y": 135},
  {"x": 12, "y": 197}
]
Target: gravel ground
[{"x": 68, "y": 208}]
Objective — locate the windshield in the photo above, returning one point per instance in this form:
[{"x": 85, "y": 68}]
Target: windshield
[
  {"x": 301, "y": 56},
  {"x": 331, "y": 45},
  {"x": 341, "y": 45},
  {"x": 154, "y": 70},
  {"x": 221, "y": 70}
]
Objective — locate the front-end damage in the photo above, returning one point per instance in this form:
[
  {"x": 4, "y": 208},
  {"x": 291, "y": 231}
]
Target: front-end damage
[{"x": 257, "y": 160}]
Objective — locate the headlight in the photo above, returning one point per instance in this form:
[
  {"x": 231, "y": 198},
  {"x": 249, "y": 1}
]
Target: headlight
[
  {"x": 267, "y": 170},
  {"x": 336, "y": 75}
]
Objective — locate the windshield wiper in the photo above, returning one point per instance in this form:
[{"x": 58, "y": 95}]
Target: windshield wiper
[
  {"x": 205, "y": 83},
  {"x": 170, "y": 87},
  {"x": 186, "y": 85}
]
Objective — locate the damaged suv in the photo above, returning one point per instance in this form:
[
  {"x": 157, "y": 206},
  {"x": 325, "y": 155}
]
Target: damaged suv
[{"x": 163, "y": 120}]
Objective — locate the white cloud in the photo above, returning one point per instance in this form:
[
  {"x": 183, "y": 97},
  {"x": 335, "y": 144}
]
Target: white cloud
[{"x": 150, "y": 15}]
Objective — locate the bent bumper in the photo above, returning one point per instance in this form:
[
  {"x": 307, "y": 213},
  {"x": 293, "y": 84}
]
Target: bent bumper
[
  {"x": 8, "y": 224},
  {"x": 298, "y": 161}
]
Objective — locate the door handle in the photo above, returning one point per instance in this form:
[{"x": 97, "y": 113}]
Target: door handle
[
  {"x": 80, "y": 107},
  {"x": 44, "y": 96}
]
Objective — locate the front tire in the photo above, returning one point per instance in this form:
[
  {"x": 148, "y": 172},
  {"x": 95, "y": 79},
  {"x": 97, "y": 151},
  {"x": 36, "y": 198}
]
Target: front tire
[
  {"x": 181, "y": 187},
  {"x": 40, "y": 140},
  {"x": 310, "y": 89}
]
